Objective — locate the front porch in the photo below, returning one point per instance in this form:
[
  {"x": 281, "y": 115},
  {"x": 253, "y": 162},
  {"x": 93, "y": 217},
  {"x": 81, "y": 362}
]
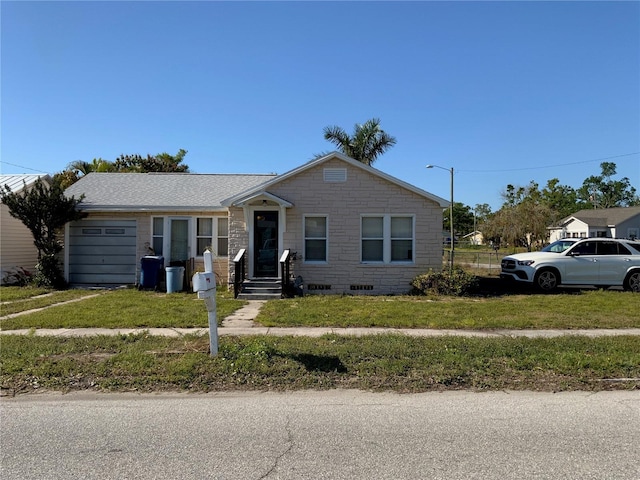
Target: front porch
[{"x": 265, "y": 288}]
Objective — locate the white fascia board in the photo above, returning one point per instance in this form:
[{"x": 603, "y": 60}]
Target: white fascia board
[{"x": 241, "y": 202}]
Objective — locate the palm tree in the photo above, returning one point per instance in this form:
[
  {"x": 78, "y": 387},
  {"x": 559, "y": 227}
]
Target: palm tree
[
  {"x": 80, "y": 167},
  {"x": 365, "y": 145}
]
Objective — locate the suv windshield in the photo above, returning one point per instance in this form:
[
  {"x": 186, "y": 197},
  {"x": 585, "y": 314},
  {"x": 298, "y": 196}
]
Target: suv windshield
[{"x": 558, "y": 246}]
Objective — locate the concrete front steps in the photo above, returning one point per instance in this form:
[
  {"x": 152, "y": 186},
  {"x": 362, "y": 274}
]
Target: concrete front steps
[{"x": 261, "y": 289}]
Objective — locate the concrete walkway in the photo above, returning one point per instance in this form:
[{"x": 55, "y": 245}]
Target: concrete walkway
[{"x": 241, "y": 323}]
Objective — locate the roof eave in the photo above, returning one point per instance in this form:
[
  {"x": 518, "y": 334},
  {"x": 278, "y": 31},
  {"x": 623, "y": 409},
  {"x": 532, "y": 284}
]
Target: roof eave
[{"x": 143, "y": 208}]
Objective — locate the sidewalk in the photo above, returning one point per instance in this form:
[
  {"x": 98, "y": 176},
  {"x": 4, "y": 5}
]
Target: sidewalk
[{"x": 241, "y": 323}]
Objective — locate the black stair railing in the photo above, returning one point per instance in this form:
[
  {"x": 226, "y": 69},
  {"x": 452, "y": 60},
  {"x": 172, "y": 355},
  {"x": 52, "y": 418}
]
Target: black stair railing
[
  {"x": 240, "y": 264},
  {"x": 289, "y": 288}
]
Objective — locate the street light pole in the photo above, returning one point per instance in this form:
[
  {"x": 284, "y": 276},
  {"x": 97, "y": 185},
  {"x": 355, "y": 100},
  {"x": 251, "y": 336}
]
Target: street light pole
[{"x": 450, "y": 170}]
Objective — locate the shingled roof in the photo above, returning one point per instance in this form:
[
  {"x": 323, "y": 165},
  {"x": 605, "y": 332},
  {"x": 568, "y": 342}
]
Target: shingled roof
[
  {"x": 160, "y": 191},
  {"x": 603, "y": 217}
]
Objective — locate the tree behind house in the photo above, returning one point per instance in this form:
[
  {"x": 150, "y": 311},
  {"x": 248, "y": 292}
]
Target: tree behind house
[{"x": 366, "y": 144}]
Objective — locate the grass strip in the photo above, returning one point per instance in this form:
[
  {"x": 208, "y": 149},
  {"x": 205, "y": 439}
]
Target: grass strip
[
  {"x": 588, "y": 309},
  {"x": 52, "y": 298},
  {"x": 8, "y": 294},
  {"x": 128, "y": 308},
  {"x": 378, "y": 363}
]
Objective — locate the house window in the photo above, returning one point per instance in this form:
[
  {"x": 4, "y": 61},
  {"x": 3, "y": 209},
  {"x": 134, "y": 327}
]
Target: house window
[
  {"x": 387, "y": 238},
  {"x": 210, "y": 232},
  {"x": 401, "y": 239},
  {"x": 223, "y": 237},
  {"x": 372, "y": 239},
  {"x": 184, "y": 233},
  {"x": 315, "y": 239},
  {"x": 204, "y": 235},
  {"x": 157, "y": 235}
]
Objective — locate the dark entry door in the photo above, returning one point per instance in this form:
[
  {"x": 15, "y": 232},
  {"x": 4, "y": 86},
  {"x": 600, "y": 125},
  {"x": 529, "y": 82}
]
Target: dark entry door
[{"x": 265, "y": 242}]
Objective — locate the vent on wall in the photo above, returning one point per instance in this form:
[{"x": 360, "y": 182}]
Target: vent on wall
[{"x": 335, "y": 175}]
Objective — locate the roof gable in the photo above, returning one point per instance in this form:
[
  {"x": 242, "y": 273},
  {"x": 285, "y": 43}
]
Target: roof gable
[{"x": 242, "y": 197}]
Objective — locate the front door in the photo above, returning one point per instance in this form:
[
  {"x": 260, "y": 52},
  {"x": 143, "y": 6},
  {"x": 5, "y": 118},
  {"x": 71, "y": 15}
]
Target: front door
[{"x": 265, "y": 244}]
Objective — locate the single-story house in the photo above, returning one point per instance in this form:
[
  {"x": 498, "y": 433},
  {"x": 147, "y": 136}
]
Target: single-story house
[
  {"x": 474, "y": 238},
  {"x": 349, "y": 228},
  {"x": 621, "y": 222},
  {"x": 17, "y": 250}
]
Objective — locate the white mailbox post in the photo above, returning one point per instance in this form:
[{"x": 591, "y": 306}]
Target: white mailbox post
[{"x": 205, "y": 285}]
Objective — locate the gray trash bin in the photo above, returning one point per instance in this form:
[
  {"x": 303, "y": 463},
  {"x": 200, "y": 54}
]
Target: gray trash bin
[{"x": 175, "y": 279}]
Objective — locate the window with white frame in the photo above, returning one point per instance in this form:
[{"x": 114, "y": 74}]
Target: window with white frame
[
  {"x": 387, "y": 238},
  {"x": 157, "y": 234},
  {"x": 223, "y": 236},
  {"x": 204, "y": 235},
  {"x": 212, "y": 234},
  {"x": 401, "y": 239},
  {"x": 315, "y": 238}
]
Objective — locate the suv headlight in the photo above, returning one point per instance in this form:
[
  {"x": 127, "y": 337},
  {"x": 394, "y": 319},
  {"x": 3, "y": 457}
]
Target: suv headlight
[{"x": 525, "y": 263}]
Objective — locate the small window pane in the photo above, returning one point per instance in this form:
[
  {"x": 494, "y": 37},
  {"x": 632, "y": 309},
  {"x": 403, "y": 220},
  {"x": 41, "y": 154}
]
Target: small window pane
[
  {"x": 372, "y": 227},
  {"x": 316, "y": 250},
  {"x": 372, "y": 250},
  {"x": 158, "y": 226},
  {"x": 315, "y": 227},
  {"x": 157, "y": 245},
  {"x": 223, "y": 247},
  {"x": 205, "y": 227},
  {"x": 203, "y": 244},
  {"x": 401, "y": 227},
  {"x": 223, "y": 227},
  {"x": 401, "y": 250}
]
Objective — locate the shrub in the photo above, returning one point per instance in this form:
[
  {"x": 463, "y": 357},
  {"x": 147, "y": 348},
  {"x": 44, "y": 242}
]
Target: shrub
[
  {"x": 17, "y": 276},
  {"x": 456, "y": 282}
]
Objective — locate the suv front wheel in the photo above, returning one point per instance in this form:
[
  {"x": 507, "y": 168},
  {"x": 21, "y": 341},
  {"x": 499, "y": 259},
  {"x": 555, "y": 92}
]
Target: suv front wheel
[{"x": 546, "y": 280}]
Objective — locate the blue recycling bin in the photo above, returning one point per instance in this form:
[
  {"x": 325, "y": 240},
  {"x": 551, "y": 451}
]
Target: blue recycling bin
[
  {"x": 175, "y": 279},
  {"x": 150, "y": 271}
]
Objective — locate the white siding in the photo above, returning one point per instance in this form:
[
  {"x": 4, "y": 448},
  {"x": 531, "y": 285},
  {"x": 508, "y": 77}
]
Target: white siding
[{"x": 16, "y": 244}]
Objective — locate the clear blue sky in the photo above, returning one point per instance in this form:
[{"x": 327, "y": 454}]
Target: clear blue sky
[{"x": 503, "y": 92}]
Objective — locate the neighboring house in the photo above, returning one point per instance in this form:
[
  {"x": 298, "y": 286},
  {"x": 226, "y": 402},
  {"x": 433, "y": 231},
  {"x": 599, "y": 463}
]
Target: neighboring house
[
  {"x": 621, "y": 222},
  {"x": 474, "y": 238},
  {"x": 16, "y": 241},
  {"x": 354, "y": 229}
]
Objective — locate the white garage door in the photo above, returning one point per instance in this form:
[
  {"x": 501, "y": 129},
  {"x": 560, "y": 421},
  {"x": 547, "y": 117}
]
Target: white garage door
[{"x": 102, "y": 252}]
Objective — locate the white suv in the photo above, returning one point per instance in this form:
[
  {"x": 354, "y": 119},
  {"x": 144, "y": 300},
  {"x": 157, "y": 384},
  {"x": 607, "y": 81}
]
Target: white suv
[{"x": 602, "y": 262}]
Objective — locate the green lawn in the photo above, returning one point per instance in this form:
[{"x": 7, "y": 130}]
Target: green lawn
[
  {"x": 588, "y": 309},
  {"x": 125, "y": 308},
  {"x": 130, "y": 308},
  {"x": 381, "y": 362}
]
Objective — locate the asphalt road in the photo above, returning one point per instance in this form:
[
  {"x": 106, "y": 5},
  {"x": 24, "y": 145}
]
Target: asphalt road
[{"x": 318, "y": 435}]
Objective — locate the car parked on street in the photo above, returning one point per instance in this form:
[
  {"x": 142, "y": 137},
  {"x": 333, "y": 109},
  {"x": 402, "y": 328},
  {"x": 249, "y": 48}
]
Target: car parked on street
[{"x": 601, "y": 262}]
